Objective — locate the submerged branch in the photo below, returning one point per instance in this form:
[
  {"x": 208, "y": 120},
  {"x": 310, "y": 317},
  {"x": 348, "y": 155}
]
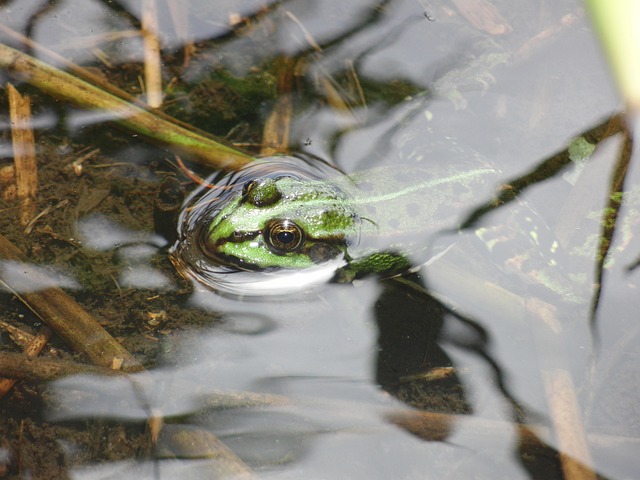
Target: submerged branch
[
  {"x": 610, "y": 216},
  {"x": 546, "y": 169},
  {"x": 153, "y": 126}
]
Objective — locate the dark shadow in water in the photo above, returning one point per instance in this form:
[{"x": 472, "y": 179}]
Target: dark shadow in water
[
  {"x": 410, "y": 322},
  {"x": 409, "y": 325}
]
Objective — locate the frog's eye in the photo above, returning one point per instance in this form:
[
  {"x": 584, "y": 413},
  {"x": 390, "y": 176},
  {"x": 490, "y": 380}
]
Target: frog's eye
[
  {"x": 283, "y": 236},
  {"x": 248, "y": 186},
  {"x": 261, "y": 193}
]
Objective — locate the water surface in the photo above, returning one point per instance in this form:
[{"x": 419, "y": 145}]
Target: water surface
[{"x": 338, "y": 376}]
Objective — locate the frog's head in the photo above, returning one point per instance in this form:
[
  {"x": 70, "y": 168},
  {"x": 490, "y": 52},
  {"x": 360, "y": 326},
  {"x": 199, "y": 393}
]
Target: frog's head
[{"x": 281, "y": 223}]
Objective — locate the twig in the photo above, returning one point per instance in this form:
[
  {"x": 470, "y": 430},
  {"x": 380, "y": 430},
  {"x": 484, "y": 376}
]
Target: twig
[
  {"x": 76, "y": 165},
  {"x": 46, "y": 211},
  {"x": 429, "y": 426},
  {"x": 192, "y": 176},
  {"x": 433, "y": 426},
  {"x": 536, "y": 42},
  {"x": 432, "y": 375},
  {"x": 33, "y": 349},
  {"x": 76, "y": 326},
  {"x": 87, "y": 42},
  {"x": 356, "y": 80},
  {"x": 307, "y": 35},
  {"x": 18, "y": 335}
]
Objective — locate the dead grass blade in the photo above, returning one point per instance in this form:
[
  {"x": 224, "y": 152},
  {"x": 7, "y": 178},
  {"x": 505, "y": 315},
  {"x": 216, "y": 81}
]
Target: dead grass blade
[{"x": 24, "y": 154}]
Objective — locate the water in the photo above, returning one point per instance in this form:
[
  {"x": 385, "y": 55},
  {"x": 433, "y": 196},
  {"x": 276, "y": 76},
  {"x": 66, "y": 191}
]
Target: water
[{"x": 331, "y": 382}]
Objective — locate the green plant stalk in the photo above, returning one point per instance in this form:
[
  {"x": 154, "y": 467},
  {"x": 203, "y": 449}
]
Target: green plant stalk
[
  {"x": 161, "y": 129},
  {"x": 618, "y": 24}
]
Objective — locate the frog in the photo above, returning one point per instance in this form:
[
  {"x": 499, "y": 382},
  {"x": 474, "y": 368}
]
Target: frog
[{"x": 273, "y": 220}]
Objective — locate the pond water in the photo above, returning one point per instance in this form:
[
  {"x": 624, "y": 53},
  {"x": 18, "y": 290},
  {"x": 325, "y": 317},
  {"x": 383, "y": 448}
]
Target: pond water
[{"x": 476, "y": 364}]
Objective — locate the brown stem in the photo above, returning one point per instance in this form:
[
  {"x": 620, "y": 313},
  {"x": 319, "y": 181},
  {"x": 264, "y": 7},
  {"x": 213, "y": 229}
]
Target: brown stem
[
  {"x": 158, "y": 128},
  {"x": 18, "y": 366}
]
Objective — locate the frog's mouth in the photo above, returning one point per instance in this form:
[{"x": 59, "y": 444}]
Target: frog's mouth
[
  {"x": 230, "y": 263},
  {"x": 212, "y": 254},
  {"x": 318, "y": 253}
]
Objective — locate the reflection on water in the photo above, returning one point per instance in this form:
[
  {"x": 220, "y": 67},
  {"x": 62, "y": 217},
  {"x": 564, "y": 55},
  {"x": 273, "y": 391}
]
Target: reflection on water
[
  {"x": 466, "y": 369},
  {"x": 25, "y": 277}
]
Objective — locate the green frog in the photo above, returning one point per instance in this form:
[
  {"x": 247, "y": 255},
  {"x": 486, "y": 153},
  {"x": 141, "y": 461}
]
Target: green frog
[{"x": 283, "y": 223}]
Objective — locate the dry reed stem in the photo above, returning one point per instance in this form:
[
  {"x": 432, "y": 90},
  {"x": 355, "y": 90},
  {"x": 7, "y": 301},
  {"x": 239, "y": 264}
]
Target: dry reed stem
[
  {"x": 152, "y": 60},
  {"x": 276, "y": 131},
  {"x": 575, "y": 457},
  {"x": 562, "y": 401},
  {"x": 19, "y": 366},
  {"x": 78, "y": 71},
  {"x": 24, "y": 154},
  {"x": 192, "y": 443}
]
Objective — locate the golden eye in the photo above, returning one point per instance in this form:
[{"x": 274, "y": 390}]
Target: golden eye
[{"x": 283, "y": 236}]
